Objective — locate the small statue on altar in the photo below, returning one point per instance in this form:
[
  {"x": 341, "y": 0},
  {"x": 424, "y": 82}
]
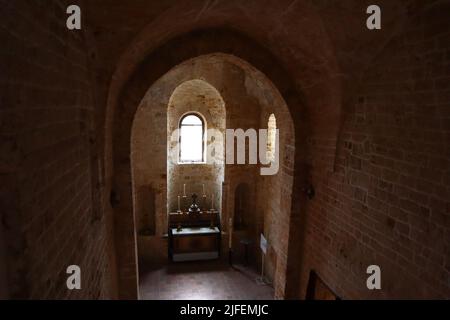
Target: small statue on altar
[{"x": 194, "y": 208}]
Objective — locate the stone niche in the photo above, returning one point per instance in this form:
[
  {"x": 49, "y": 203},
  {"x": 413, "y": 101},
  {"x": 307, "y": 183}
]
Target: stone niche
[{"x": 199, "y": 98}]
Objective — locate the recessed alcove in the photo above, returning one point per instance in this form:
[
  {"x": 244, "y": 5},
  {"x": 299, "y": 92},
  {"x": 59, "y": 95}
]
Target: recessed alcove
[
  {"x": 213, "y": 92},
  {"x": 203, "y": 176}
]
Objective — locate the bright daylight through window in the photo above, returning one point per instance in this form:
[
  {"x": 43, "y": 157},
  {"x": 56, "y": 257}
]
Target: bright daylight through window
[{"x": 191, "y": 139}]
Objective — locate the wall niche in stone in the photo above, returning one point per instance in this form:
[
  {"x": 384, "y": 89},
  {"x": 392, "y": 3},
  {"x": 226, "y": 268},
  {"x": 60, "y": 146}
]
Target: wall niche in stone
[{"x": 195, "y": 99}]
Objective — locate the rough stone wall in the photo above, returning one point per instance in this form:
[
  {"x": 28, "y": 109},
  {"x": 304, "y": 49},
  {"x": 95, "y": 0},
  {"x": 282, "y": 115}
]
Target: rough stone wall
[
  {"x": 387, "y": 202},
  {"x": 51, "y": 211}
]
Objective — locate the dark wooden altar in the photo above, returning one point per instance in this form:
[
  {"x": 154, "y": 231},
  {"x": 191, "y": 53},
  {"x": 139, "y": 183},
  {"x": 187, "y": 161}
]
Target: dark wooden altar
[{"x": 194, "y": 236}]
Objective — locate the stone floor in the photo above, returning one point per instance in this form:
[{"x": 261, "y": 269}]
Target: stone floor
[{"x": 204, "y": 280}]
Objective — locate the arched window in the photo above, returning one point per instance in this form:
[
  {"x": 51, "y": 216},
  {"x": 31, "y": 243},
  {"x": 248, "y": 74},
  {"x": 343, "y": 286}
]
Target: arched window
[
  {"x": 192, "y": 139},
  {"x": 271, "y": 137}
]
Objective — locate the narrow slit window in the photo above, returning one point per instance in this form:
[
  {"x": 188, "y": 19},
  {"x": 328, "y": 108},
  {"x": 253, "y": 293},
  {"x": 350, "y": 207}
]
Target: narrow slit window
[{"x": 271, "y": 137}]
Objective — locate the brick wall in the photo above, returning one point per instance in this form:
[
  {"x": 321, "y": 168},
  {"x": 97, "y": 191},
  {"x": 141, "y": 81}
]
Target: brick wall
[
  {"x": 387, "y": 201},
  {"x": 47, "y": 130},
  {"x": 384, "y": 201}
]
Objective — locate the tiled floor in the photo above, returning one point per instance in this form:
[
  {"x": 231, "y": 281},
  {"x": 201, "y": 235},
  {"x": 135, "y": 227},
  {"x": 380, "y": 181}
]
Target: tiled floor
[{"x": 201, "y": 280}]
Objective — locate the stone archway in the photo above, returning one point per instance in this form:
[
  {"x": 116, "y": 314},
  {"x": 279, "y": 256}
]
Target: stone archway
[{"x": 155, "y": 65}]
